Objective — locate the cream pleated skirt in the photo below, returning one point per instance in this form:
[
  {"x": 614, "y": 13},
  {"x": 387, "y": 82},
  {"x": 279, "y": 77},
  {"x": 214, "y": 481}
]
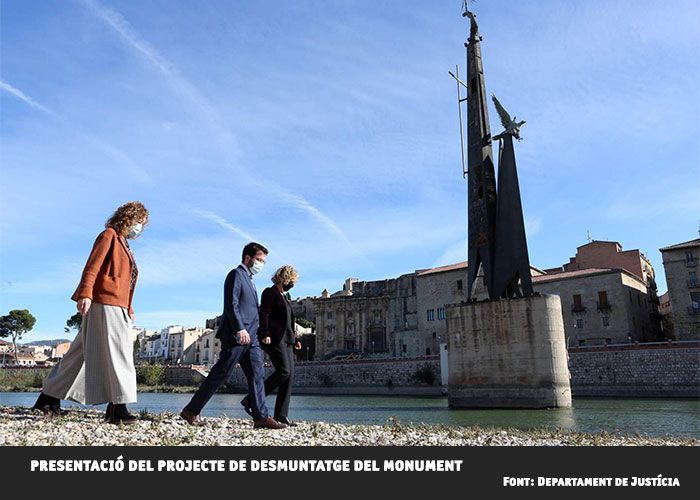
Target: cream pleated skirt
[{"x": 99, "y": 366}]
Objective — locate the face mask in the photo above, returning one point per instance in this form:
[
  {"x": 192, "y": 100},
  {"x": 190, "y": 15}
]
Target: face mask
[
  {"x": 135, "y": 230},
  {"x": 287, "y": 287},
  {"x": 256, "y": 267}
]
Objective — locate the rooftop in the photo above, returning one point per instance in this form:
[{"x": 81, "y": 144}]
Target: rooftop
[{"x": 685, "y": 244}]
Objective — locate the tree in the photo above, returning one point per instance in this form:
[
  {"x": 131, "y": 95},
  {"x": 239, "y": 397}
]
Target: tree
[
  {"x": 73, "y": 323},
  {"x": 14, "y": 325}
]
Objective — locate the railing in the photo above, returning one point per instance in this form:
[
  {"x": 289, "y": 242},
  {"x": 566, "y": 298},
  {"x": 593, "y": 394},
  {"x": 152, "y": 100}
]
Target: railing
[
  {"x": 693, "y": 310},
  {"x": 578, "y": 308},
  {"x": 692, "y": 283},
  {"x": 691, "y": 263},
  {"x": 604, "y": 306}
]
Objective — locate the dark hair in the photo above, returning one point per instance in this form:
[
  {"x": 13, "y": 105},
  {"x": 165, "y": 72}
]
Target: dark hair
[{"x": 252, "y": 248}]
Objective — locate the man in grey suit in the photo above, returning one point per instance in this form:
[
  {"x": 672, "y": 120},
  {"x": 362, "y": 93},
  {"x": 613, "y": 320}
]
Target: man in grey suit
[{"x": 239, "y": 343}]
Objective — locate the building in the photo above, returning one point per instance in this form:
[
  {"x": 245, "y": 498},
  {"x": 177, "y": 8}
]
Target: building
[
  {"x": 60, "y": 350},
  {"x": 305, "y": 308},
  {"x": 666, "y": 316},
  {"x": 181, "y": 348},
  {"x": 151, "y": 347},
  {"x": 368, "y": 317},
  {"x": 601, "y": 306},
  {"x": 206, "y": 349},
  {"x": 437, "y": 287},
  {"x": 681, "y": 266},
  {"x": 164, "y": 352},
  {"x": 24, "y": 360},
  {"x": 608, "y": 255},
  {"x": 405, "y": 316}
]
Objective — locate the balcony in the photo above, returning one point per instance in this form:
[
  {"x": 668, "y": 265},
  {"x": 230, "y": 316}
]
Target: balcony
[
  {"x": 578, "y": 308},
  {"x": 604, "y": 306},
  {"x": 693, "y": 310},
  {"x": 692, "y": 283},
  {"x": 691, "y": 263}
]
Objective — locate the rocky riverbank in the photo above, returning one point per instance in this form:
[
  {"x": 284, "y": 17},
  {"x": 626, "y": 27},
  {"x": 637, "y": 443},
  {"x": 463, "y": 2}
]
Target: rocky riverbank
[{"x": 23, "y": 427}]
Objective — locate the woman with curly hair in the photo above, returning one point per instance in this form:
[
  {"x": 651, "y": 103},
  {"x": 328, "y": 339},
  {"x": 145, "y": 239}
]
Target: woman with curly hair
[
  {"x": 99, "y": 366},
  {"x": 278, "y": 339}
]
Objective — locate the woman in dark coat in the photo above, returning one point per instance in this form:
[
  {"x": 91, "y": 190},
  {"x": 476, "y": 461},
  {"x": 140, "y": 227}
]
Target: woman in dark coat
[{"x": 278, "y": 339}]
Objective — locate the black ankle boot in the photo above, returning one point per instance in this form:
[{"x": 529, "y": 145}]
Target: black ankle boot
[
  {"x": 120, "y": 415},
  {"x": 48, "y": 405},
  {"x": 108, "y": 412}
]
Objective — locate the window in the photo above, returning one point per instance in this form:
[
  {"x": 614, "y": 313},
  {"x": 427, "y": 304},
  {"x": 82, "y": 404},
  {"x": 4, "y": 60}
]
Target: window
[
  {"x": 427, "y": 351},
  {"x": 689, "y": 258},
  {"x": 606, "y": 320},
  {"x": 630, "y": 292},
  {"x": 434, "y": 335},
  {"x": 579, "y": 323},
  {"x": 403, "y": 348},
  {"x": 431, "y": 314},
  {"x": 695, "y": 301},
  {"x": 603, "y": 298},
  {"x": 581, "y": 342},
  {"x": 460, "y": 285},
  {"x": 578, "y": 303},
  {"x": 692, "y": 279},
  {"x": 329, "y": 315},
  {"x": 350, "y": 345},
  {"x": 441, "y": 313}
]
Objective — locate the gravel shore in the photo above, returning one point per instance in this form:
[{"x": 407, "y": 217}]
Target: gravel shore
[{"x": 24, "y": 427}]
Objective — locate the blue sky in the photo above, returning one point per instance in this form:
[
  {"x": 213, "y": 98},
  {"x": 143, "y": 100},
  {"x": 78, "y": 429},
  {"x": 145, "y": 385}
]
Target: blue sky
[{"x": 328, "y": 131}]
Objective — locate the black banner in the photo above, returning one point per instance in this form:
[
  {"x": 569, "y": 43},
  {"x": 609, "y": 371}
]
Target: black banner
[{"x": 618, "y": 471}]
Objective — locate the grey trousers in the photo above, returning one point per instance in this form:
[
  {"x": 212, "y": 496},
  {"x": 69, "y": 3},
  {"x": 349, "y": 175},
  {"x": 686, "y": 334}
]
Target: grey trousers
[{"x": 99, "y": 366}]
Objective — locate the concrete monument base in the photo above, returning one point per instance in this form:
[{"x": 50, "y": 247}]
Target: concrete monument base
[{"x": 508, "y": 353}]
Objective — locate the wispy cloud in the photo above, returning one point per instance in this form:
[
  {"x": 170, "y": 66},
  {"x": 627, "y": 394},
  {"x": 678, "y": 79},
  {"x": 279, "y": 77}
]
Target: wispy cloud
[
  {"x": 24, "y": 97},
  {"x": 301, "y": 203},
  {"x": 134, "y": 39},
  {"x": 221, "y": 222},
  {"x": 125, "y": 160},
  {"x": 189, "y": 91}
]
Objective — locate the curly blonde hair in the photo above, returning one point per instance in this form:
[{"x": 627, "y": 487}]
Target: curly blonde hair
[
  {"x": 126, "y": 216},
  {"x": 285, "y": 275}
]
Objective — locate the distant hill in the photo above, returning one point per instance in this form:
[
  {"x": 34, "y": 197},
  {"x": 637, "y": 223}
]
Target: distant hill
[{"x": 52, "y": 343}]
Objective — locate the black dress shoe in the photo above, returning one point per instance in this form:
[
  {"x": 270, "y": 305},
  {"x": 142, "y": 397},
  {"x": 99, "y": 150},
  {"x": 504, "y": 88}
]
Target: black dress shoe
[
  {"x": 48, "y": 405},
  {"x": 286, "y": 421},
  {"x": 108, "y": 412},
  {"x": 246, "y": 406},
  {"x": 120, "y": 415}
]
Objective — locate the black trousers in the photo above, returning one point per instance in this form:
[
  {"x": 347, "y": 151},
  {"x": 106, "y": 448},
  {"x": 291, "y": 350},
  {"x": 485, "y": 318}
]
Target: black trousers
[{"x": 282, "y": 357}]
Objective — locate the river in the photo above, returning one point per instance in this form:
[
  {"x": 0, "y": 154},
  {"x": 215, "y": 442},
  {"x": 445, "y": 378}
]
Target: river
[{"x": 651, "y": 417}]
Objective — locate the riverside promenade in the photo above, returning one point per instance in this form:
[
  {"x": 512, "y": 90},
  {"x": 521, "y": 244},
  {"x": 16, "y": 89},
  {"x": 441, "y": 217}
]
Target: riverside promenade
[{"x": 21, "y": 426}]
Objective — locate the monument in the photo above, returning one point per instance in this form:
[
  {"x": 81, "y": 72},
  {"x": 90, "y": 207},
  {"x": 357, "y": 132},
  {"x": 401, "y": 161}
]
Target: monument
[{"x": 509, "y": 349}]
